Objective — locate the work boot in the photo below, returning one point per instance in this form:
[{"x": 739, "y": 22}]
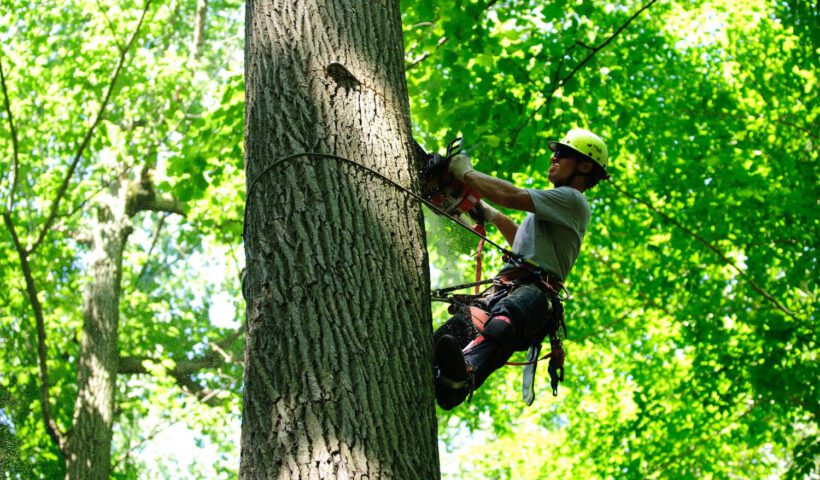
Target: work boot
[{"x": 452, "y": 379}]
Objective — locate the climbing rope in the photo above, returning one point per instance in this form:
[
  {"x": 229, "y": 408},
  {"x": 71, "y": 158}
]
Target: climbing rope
[{"x": 507, "y": 254}]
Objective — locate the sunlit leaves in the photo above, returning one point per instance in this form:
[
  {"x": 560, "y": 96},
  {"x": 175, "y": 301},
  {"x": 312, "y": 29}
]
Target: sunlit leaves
[
  {"x": 59, "y": 59},
  {"x": 710, "y": 113}
]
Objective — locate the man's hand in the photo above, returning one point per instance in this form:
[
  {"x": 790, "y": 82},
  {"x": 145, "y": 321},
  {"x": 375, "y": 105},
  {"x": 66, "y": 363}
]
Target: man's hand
[
  {"x": 490, "y": 213},
  {"x": 505, "y": 225},
  {"x": 460, "y": 166}
]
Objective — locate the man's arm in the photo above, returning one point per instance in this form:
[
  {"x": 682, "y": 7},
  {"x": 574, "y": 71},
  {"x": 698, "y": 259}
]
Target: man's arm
[
  {"x": 499, "y": 191},
  {"x": 494, "y": 189},
  {"x": 505, "y": 224}
]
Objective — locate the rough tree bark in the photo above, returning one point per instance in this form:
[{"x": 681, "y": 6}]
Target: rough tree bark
[
  {"x": 88, "y": 448},
  {"x": 88, "y": 443},
  {"x": 338, "y": 382}
]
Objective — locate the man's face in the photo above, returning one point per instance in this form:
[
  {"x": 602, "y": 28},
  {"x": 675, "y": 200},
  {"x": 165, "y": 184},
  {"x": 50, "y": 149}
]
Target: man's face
[{"x": 561, "y": 167}]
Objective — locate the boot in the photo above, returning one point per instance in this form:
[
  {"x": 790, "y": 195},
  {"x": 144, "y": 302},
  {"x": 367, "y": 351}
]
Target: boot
[{"x": 453, "y": 383}]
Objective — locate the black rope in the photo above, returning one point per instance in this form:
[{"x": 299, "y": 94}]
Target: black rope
[
  {"x": 441, "y": 292},
  {"x": 508, "y": 254}
]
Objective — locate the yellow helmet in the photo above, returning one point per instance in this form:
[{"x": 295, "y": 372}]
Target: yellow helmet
[{"x": 587, "y": 143}]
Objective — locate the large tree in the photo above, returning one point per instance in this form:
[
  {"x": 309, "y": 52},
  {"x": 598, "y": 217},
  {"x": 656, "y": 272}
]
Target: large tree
[
  {"x": 337, "y": 378},
  {"x": 692, "y": 349}
]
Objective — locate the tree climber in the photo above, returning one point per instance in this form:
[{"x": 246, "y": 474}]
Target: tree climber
[{"x": 522, "y": 307}]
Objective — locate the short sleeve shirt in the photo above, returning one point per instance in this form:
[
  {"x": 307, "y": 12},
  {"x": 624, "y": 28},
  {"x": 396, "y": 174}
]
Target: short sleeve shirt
[{"x": 552, "y": 236}]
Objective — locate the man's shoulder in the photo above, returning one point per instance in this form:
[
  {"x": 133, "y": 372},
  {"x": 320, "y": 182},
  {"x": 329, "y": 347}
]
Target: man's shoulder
[{"x": 564, "y": 194}]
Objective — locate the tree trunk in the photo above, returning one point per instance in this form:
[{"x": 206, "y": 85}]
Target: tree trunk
[
  {"x": 338, "y": 380},
  {"x": 88, "y": 449}
]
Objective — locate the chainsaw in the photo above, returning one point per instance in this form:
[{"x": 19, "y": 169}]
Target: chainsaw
[
  {"x": 453, "y": 197},
  {"x": 445, "y": 191}
]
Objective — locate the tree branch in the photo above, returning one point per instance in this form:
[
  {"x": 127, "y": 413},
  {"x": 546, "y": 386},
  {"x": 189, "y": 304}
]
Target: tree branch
[
  {"x": 153, "y": 245},
  {"x": 52, "y": 428},
  {"x": 184, "y": 370},
  {"x": 15, "y": 164},
  {"x": 182, "y": 373},
  {"x": 142, "y": 197},
  {"x": 414, "y": 63},
  {"x": 142, "y": 200},
  {"x": 199, "y": 30},
  {"x": 111, "y": 27},
  {"x": 757, "y": 288},
  {"x": 90, "y": 133},
  {"x": 563, "y": 81}
]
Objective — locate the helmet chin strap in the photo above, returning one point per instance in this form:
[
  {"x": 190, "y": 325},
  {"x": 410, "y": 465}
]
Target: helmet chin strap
[{"x": 571, "y": 178}]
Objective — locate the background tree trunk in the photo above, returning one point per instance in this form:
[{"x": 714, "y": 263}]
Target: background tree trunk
[
  {"x": 88, "y": 449},
  {"x": 338, "y": 380}
]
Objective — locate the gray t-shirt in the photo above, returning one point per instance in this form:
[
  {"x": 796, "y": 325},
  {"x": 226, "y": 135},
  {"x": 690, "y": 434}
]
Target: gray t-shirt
[{"x": 552, "y": 236}]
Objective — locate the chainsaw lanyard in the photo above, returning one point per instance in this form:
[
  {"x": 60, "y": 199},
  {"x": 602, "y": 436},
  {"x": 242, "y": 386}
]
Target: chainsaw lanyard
[{"x": 508, "y": 255}]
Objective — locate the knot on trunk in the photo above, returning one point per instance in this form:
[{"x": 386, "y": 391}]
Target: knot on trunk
[{"x": 342, "y": 76}]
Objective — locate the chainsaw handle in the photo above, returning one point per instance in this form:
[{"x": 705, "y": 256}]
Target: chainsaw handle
[
  {"x": 436, "y": 164},
  {"x": 477, "y": 214}
]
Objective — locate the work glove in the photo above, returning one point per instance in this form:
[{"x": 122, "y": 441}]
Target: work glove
[
  {"x": 460, "y": 166},
  {"x": 490, "y": 213}
]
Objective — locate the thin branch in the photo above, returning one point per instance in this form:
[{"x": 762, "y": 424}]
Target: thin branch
[
  {"x": 111, "y": 27},
  {"x": 52, "y": 428},
  {"x": 15, "y": 165},
  {"x": 414, "y": 63},
  {"x": 757, "y": 288},
  {"x": 687, "y": 451},
  {"x": 87, "y": 138},
  {"x": 199, "y": 30},
  {"x": 153, "y": 245},
  {"x": 563, "y": 81}
]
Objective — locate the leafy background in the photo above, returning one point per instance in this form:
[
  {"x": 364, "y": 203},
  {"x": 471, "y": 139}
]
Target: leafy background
[{"x": 692, "y": 339}]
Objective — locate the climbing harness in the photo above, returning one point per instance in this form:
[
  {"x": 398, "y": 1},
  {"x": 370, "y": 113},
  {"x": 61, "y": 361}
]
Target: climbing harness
[{"x": 477, "y": 308}]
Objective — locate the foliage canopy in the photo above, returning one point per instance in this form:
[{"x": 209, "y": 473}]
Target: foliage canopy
[{"x": 692, "y": 328}]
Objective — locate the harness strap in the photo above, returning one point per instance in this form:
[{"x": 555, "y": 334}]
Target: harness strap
[
  {"x": 531, "y": 362},
  {"x": 479, "y": 227},
  {"x": 449, "y": 383}
]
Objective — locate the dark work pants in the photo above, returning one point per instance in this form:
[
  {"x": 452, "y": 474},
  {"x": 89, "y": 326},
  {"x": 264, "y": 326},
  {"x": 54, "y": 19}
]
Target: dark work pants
[{"x": 516, "y": 321}]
